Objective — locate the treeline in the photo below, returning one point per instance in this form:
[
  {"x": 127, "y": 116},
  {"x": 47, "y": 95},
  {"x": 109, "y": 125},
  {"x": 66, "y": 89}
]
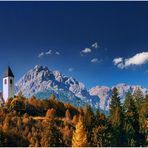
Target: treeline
[{"x": 47, "y": 123}]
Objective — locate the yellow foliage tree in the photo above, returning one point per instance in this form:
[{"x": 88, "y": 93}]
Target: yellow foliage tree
[
  {"x": 67, "y": 115},
  {"x": 80, "y": 136},
  {"x": 52, "y": 97},
  {"x": 75, "y": 119},
  {"x": 6, "y": 124},
  {"x": 51, "y": 113},
  {"x": 34, "y": 102}
]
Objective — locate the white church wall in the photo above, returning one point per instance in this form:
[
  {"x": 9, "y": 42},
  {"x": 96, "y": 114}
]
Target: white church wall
[{"x": 8, "y": 89}]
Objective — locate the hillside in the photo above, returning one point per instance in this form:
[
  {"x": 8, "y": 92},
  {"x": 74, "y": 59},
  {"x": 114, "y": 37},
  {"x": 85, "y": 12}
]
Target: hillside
[{"x": 30, "y": 122}]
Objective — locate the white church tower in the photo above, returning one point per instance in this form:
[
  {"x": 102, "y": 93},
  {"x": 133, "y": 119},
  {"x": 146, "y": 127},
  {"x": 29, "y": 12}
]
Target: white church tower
[{"x": 8, "y": 84}]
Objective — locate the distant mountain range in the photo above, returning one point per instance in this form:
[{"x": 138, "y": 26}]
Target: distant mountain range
[{"x": 41, "y": 82}]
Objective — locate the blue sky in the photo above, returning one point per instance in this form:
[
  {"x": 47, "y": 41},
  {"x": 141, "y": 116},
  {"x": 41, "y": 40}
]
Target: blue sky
[{"x": 98, "y": 43}]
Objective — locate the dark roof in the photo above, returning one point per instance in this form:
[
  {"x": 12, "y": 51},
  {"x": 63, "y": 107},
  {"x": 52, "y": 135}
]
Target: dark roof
[{"x": 8, "y": 73}]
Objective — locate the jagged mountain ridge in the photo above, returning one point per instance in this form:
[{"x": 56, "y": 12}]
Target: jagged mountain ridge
[
  {"x": 42, "y": 82},
  {"x": 104, "y": 93}
]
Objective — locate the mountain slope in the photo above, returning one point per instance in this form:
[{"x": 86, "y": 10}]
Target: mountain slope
[
  {"x": 104, "y": 93},
  {"x": 42, "y": 82}
]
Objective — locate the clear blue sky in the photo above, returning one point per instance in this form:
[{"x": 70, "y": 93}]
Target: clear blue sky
[{"x": 30, "y": 29}]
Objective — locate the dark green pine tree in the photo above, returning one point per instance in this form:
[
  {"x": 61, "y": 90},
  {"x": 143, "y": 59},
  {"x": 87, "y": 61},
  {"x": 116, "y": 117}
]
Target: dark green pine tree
[
  {"x": 116, "y": 119},
  {"x": 138, "y": 98},
  {"x": 100, "y": 118},
  {"x": 131, "y": 122},
  {"x": 142, "y": 109},
  {"x": 101, "y": 133},
  {"x": 89, "y": 123}
]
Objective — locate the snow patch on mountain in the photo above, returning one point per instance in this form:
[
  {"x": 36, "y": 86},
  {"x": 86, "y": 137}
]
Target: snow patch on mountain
[
  {"x": 105, "y": 93},
  {"x": 42, "y": 82}
]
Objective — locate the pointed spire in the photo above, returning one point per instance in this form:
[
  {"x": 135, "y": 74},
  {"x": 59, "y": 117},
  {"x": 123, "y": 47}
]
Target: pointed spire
[{"x": 8, "y": 73}]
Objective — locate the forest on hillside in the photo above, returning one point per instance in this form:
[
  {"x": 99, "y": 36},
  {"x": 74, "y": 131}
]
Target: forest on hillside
[{"x": 50, "y": 123}]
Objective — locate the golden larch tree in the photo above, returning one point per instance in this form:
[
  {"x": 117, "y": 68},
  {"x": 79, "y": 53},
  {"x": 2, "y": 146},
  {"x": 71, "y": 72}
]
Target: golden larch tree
[
  {"x": 67, "y": 115},
  {"x": 80, "y": 136}
]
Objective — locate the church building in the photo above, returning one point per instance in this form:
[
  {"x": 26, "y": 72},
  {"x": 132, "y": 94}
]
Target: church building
[{"x": 8, "y": 84}]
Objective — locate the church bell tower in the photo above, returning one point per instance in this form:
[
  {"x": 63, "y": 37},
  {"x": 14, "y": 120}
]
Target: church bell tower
[{"x": 8, "y": 84}]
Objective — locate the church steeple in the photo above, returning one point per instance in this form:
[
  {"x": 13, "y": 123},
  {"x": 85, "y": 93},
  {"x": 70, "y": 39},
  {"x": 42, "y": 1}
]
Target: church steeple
[
  {"x": 8, "y": 84},
  {"x": 8, "y": 73}
]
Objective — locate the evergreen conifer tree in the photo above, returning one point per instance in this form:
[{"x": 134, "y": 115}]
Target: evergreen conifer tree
[
  {"x": 89, "y": 123},
  {"x": 100, "y": 118},
  {"x": 101, "y": 133},
  {"x": 116, "y": 119},
  {"x": 142, "y": 109},
  {"x": 131, "y": 122},
  {"x": 138, "y": 98}
]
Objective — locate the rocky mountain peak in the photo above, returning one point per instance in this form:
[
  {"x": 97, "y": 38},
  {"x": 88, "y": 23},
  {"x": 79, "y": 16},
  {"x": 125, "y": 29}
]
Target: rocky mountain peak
[
  {"x": 40, "y": 78},
  {"x": 42, "y": 82}
]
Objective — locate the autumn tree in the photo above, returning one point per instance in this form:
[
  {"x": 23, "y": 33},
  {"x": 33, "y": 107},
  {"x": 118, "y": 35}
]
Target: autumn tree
[
  {"x": 8, "y": 102},
  {"x": 73, "y": 110},
  {"x": 100, "y": 136},
  {"x": 34, "y": 102},
  {"x": 67, "y": 115},
  {"x": 52, "y": 97},
  {"x": 17, "y": 104},
  {"x": 75, "y": 119},
  {"x": 35, "y": 107},
  {"x": 19, "y": 123},
  {"x": 67, "y": 135},
  {"x": 6, "y": 123},
  {"x": 51, "y": 137},
  {"x": 51, "y": 113},
  {"x": 10, "y": 139},
  {"x": 81, "y": 112},
  {"x": 3, "y": 113},
  {"x": 79, "y": 138},
  {"x": 45, "y": 104}
]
